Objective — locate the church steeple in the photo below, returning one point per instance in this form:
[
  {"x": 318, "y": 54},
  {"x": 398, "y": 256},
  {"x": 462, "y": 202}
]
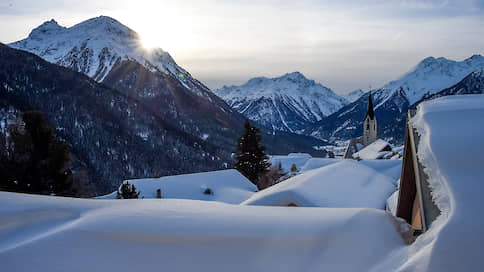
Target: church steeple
[
  {"x": 369, "y": 124},
  {"x": 370, "y": 113}
]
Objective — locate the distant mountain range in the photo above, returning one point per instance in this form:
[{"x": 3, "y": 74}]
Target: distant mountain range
[
  {"x": 140, "y": 114},
  {"x": 429, "y": 77},
  {"x": 290, "y": 102},
  {"x": 294, "y": 103}
]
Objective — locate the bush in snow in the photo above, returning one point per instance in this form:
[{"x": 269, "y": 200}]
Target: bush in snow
[
  {"x": 252, "y": 161},
  {"x": 127, "y": 191},
  {"x": 293, "y": 168}
]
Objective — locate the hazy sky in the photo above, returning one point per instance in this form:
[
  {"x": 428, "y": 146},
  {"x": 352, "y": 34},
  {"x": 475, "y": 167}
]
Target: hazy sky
[{"x": 344, "y": 45}]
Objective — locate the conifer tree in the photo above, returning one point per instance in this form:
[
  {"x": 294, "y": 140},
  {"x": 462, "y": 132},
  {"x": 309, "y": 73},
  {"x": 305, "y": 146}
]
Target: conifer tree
[
  {"x": 252, "y": 161},
  {"x": 35, "y": 161},
  {"x": 127, "y": 191}
]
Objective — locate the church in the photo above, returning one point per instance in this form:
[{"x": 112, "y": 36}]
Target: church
[{"x": 368, "y": 146}]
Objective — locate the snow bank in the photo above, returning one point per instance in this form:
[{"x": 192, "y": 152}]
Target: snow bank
[
  {"x": 227, "y": 186},
  {"x": 188, "y": 235},
  {"x": 299, "y": 159},
  {"x": 343, "y": 184},
  {"x": 451, "y": 150}
]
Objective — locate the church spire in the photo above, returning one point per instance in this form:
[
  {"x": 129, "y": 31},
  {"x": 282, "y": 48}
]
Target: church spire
[{"x": 370, "y": 113}]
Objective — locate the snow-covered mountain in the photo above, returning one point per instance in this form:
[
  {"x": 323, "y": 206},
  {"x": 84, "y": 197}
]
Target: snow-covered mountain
[
  {"x": 471, "y": 84},
  {"x": 288, "y": 103},
  {"x": 111, "y": 53},
  {"x": 94, "y": 46},
  {"x": 391, "y": 101},
  {"x": 354, "y": 95},
  {"x": 164, "y": 110},
  {"x": 432, "y": 75}
]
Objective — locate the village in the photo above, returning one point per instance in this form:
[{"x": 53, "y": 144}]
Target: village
[{"x": 384, "y": 208}]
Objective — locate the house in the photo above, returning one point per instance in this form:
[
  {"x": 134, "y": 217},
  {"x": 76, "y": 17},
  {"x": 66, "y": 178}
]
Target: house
[
  {"x": 378, "y": 149},
  {"x": 415, "y": 203}
]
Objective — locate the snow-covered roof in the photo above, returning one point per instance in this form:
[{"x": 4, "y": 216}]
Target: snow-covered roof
[
  {"x": 42, "y": 233},
  {"x": 346, "y": 183},
  {"x": 373, "y": 151},
  {"x": 451, "y": 151},
  {"x": 227, "y": 186},
  {"x": 315, "y": 163}
]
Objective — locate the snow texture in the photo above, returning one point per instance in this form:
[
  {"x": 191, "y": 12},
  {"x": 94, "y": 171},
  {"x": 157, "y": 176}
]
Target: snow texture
[
  {"x": 52, "y": 234},
  {"x": 373, "y": 151},
  {"x": 227, "y": 186},
  {"x": 346, "y": 183},
  {"x": 354, "y": 95},
  {"x": 451, "y": 151}
]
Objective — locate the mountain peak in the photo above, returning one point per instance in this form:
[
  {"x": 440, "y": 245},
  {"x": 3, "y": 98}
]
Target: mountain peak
[
  {"x": 94, "y": 46},
  {"x": 46, "y": 28},
  {"x": 294, "y": 75},
  {"x": 105, "y": 25}
]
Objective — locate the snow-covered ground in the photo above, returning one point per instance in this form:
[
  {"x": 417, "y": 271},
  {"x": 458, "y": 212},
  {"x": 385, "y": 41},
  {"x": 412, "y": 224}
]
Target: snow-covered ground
[
  {"x": 227, "y": 186},
  {"x": 40, "y": 233}
]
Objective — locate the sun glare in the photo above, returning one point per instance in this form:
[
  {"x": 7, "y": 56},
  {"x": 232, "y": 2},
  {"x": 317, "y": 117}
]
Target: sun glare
[{"x": 149, "y": 42}]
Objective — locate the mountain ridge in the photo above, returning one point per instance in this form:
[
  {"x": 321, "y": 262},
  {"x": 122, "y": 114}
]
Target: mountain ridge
[{"x": 289, "y": 102}]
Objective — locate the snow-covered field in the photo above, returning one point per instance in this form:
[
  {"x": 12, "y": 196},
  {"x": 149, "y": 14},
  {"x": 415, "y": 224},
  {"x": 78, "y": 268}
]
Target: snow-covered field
[{"x": 39, "y": 233}]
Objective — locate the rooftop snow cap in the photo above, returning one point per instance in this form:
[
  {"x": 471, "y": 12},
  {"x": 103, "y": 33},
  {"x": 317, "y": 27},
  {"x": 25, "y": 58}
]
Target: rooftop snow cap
[{"x": 370, "y": 111}]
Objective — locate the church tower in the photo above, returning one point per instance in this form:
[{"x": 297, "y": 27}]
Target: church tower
[{"x": 369, "y": 125}]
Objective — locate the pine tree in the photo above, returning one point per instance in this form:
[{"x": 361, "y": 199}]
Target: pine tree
[
  {"x": 35, "y": 162},
  {"x": 252, "y": 161},
  {"x": 127, "y": 191}
]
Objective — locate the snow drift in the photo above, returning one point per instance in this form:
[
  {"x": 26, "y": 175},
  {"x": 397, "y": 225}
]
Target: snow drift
[{"x": 343, "y": 184}]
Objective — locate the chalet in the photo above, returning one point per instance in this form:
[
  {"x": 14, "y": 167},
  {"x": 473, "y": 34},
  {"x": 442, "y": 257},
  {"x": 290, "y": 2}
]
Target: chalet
[{"x": 415, "y": 203}]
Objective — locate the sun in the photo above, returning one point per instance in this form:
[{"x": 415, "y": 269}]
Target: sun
[{"x": 149, "y": 42}]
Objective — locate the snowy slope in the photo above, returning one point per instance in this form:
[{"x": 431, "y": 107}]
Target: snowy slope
[
  {"x": 227, "y": 186},
  {"x": 354, "y": 95},
  {"x": 94, "y": 46},
  {"x": 432, "y": 75},
  {"x": 346, "y": 183},
  {"x": 63, "y": 234},
  {"x": 393, "y": 99},
  {"x": 287, "y": 103}
]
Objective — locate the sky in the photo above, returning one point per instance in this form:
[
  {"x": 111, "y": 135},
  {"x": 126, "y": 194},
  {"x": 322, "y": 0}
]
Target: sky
[{"x": 345, "y": 45}]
